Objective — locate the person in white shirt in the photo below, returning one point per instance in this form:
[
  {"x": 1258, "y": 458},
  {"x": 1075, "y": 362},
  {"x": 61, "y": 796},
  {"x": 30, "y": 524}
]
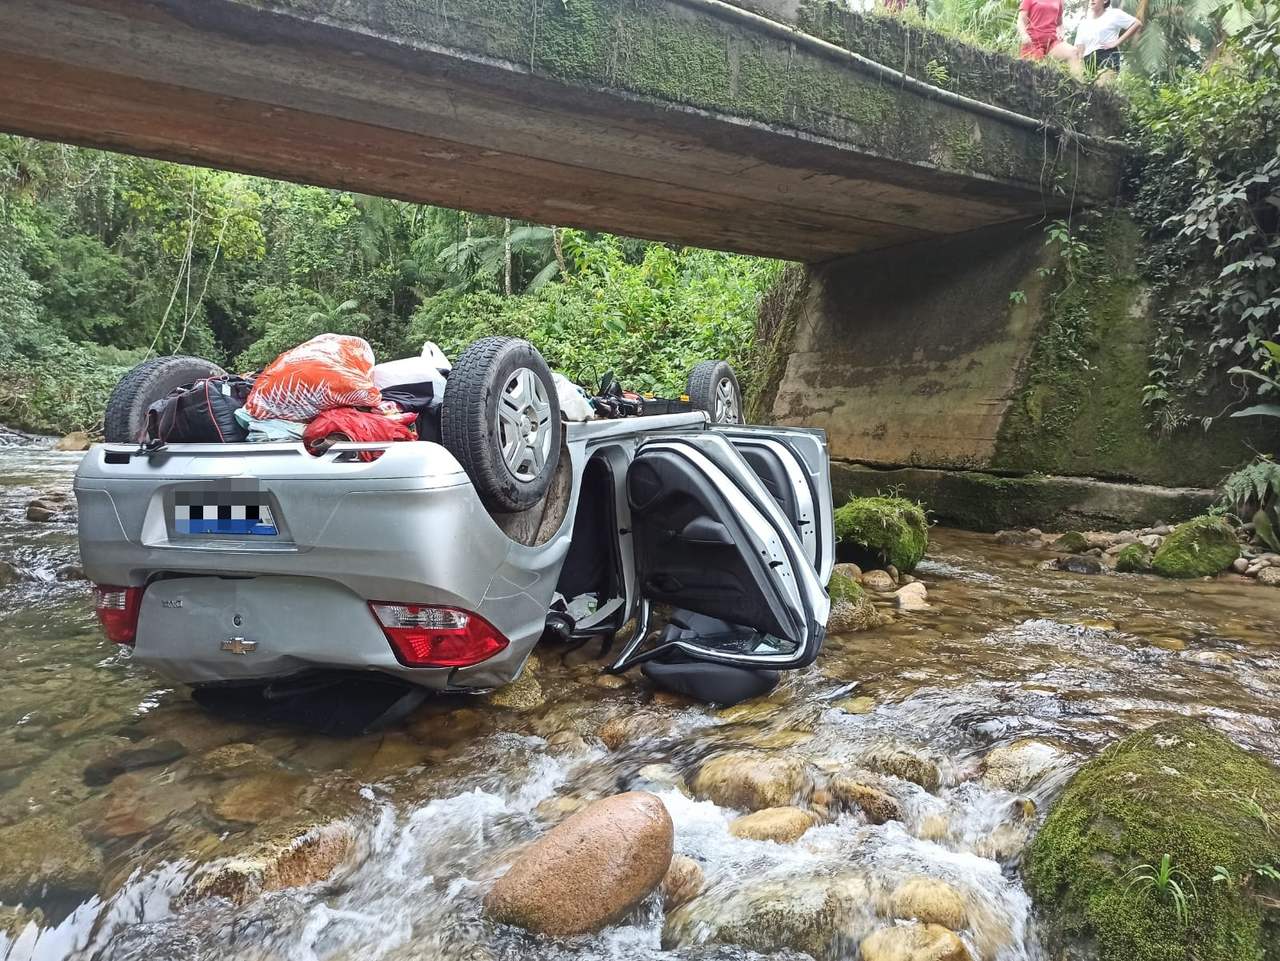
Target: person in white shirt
[{"x": 1100, "y": 34}]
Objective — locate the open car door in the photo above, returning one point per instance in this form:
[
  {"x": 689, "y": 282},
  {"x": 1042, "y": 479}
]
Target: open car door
[
  {"x": 792, "y": 464},
  {"x": 710, "y": 539}
]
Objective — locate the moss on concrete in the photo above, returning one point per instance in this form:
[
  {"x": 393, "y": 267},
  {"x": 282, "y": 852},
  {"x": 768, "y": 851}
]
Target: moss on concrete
[
  {"x": 1134, "y": 558},
  {"x": 874, "y": 531},
  {"x": 776, "y": 320},
  {"x": 1178, "y": 788},
  {"x": 1201, "y": 547},
  {"x": 1079, "y": 409},
  {"x": 989, "y": 502}
]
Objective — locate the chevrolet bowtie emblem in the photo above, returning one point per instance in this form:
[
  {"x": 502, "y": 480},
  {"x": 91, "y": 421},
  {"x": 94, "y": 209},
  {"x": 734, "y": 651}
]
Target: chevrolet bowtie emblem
[{"x": 238, "y": 645}]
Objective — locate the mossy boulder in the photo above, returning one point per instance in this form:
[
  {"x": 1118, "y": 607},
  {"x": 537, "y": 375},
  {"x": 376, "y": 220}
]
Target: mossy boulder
[
  {"x": 1201, "y": 547},
  {"x": 1177, "y": 788},
  {"x": 1072, "y": 542},
  {"x": 851, "y": 609},
  {"x": 1134, "y": 558},
  {"x": 876, "y": 531}
]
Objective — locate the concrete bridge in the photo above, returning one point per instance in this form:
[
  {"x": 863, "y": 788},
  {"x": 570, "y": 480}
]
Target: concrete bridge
[{"x": 692, "y": 121}]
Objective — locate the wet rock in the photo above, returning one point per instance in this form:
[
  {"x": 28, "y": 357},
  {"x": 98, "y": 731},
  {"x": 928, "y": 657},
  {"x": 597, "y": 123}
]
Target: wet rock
[
  {"x": 1199, "y": 548},
  {"x": 857, "y": 705},
  {"x": 136, "y": 804},
  {"x": 1017, "y": 766},
  {"x": 612, "y": 682},
  {"x": 1072, "y": 542},
  {"x": 1005, "y": 843},
  {"x": 930, "y": 901},
  {"x": 877, "y": 531},
  {"x": 261, "y": 797},
  {"x": 1017, "y": 538},
  {"x": 566, "y": 742},
  {"x": 1151, "y": 541},
  {"x": 851, "y": 609},
  {"x": 753, "y": 781},
  {"x": 876, "y": 804},
  {"x": 8, "y": 574},
  {"x": 934, "y": 827},
  {"x": 913, "y": 942},
  {"x": 287, "y": 862},
  {"x": 1079, "y": 564},
  {"x": 660, "y": 777},
  {"x": 556, "y": 809},
  {"x": 912, "y": 597},
  {"x": 394, "y": 755},
  {"x": 234, "y": 760},
  {"x": 1211, "y": 658},
  {"x": 1177, "y": 788},
  {"x": 46, "y": 856},
  {"x": 588, "y": 871},
  {"x": 155, "y": 755},
  {"x": 15, "y": 920},
  {"x": 782, "y": 824},
  {"x": 904, "y": 763},
  {"x": 1240, "y": 565},
  {"x": 808, "y": 914},
  {"x": 1269, "y": 576},
  {"x": 673, "y": 699},
  {"x": 851, "y": 571},
  {"x": 1134, "y": 559},
  {"x": 77, "y": 440},
  {"x": 71, "y": 572},
  {"x": 893, "y": 572},
  {"x": 40, "y": 512},
  {"x": 623, "y": 729},
  {"x": 683, "y": 883},
  {"x": 522, "y": 694},
  {"x": 878, "y": 581}
]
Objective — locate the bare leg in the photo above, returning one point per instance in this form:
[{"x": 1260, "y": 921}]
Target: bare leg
[{"x": 1062, "y": 50}]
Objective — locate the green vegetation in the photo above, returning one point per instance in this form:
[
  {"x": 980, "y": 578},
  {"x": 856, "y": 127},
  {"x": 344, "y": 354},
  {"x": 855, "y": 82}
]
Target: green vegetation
[
  {"x": 875, "y": 531},
  {"x": 1124, "y": 865},
  {"x": 1208, "y": 197},
  {"x": 1134, "y": 558},
  {"x": 1254, "y": 492},
  {"x": 843, "y": 589},
  {"x": 1201, "y": 547},
  {"x": 106, "y": 259}
]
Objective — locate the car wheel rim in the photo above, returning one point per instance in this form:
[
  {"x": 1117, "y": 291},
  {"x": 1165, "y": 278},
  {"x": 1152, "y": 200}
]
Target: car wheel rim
[
  {"x": 726, "y": 402},
  {"x": 524, "y": 424}
]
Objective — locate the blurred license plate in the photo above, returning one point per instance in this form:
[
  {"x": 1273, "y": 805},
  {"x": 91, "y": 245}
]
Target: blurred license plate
[{"x": 196, "y": 512}]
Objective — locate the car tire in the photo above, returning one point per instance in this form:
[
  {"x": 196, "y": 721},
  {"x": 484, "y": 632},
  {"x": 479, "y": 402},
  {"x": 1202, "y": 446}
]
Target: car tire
[
  {"x": 501, "y": 420},
  {"x": 713, "y": 387},
  {"x": 125, "y": 420}
]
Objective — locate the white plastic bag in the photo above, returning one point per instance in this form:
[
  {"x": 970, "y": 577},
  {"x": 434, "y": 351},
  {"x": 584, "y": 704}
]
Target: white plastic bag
[
  {"x": 430, "y": 367},
  {"x": 573, "y": 402}
]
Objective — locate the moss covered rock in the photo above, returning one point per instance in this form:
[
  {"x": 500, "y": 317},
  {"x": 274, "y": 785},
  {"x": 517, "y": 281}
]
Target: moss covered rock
[
  {"x": 1181, "y": 789},
  {"x": 1201, "y": 547},
  {"x": 1072, "y": 542},
  {"x": 851, "y": 609},
  {"x": 1134, "y": 558},
  {"x": 876, "y": 531}
]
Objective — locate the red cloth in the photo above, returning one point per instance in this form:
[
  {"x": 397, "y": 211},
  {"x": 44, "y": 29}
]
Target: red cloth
[
  {"x": 1043, "y": 18},
  {"x": 347, "y": 423}
]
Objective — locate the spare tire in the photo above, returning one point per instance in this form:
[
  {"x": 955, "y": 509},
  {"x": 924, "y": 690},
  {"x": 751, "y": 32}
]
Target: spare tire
[
  {"x": 501, "y": 420},
  {"x": 713, "y": 387},
  {"x": 126, "y": 417}
]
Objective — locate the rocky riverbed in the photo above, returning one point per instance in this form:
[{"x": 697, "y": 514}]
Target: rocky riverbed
[{"x": 901, "y": 777}]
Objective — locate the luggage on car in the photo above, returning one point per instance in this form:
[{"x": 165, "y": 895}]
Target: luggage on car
[
  {"x": 200, "y": 413},
  {"x": 331, "y": 370}
]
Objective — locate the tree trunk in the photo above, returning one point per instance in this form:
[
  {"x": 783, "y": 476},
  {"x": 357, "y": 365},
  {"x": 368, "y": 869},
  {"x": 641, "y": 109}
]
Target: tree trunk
[{"x": 506, "y": 256}]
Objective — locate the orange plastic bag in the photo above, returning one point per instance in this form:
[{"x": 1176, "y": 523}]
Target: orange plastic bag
[{"x": 332, "y": 370}]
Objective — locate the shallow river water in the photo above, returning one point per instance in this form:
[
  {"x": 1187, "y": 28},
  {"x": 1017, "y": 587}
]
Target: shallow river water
[{"x": 105, "y": 864}]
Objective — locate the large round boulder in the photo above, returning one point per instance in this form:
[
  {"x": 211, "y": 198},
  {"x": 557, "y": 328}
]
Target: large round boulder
[
  {"x": 588, "y": 871},
  {"x": 913, "y": 942},
  {"x": 1201, "y": 547}
]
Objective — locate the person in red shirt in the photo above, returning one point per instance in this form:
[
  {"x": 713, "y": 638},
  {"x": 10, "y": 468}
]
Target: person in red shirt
[{"x": 1040, "y": 29}]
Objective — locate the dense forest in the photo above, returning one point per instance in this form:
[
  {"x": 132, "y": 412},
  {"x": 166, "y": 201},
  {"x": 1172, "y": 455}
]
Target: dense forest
[{"x": 106, "y": 259}]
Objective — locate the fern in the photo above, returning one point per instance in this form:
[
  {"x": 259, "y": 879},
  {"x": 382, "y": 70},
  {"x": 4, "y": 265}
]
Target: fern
[{"x": 1254, "y": 490}]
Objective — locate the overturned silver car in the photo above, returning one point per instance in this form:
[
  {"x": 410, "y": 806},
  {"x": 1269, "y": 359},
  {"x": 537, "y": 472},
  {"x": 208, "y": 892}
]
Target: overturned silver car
[{"x": 442, "y": 564}]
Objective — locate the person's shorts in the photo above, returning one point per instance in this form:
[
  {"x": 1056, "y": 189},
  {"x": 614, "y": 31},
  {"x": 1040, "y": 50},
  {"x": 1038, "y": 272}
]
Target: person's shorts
[
  {"x": 1101, "y": 60},
  {"x": 1037, "y": 48}
]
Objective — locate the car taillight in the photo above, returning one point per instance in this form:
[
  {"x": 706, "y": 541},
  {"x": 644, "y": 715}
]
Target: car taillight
[
  {"x": 437, "y": 636},
  {"x": 118, "y": 609}
]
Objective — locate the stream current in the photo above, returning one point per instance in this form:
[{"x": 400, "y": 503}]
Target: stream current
[{"x": 440, "y": 805}]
